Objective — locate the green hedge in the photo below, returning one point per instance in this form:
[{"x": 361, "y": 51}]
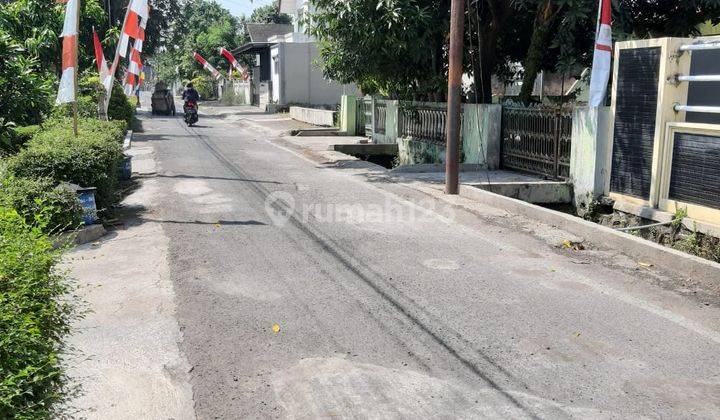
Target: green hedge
[
  {"x": 120, "y": 107},
  {"x": 92, "y": 159},
  {"x": 14, "y": 138},
  {"x": 37, "y": 199},
  {"x": 33, "y": 320}
]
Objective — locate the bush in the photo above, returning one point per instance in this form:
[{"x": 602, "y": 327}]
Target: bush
[
  {"x": 15, "y": 137},
  {"x": 33, "y": 320},
  {"x": 120, "y": 108},
  {"x": 205, "y": 87},
  {"x": 92, "y": 159},
  {"x": 22, "y": 135},
  {"x": 40, "y": 198}
]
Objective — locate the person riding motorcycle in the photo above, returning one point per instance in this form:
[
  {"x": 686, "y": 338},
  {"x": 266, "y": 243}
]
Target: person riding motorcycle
[{"x": 190, "y": 95}]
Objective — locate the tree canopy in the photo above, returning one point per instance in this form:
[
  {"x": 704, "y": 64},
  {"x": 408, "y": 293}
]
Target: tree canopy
[{"x": 393, "y": 47}]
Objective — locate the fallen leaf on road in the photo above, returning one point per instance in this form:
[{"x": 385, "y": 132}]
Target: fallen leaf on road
[
  {"x": 216, "y": 225},
  {"x": 644, "y": 264},
  {"x": 276, "y": 328},
  {"x": 567, "y": 244},
  {"x": 577, "y": 334}
]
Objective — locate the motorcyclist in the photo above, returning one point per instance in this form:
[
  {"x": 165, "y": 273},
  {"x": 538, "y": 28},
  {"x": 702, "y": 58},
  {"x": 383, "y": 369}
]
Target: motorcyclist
[{"x": 190, "y": 95}]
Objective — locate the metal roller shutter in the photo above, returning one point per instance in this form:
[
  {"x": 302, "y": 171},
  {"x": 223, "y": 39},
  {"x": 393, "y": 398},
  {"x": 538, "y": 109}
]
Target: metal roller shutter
[
  {"x": 695, "y": 174},
  {"x": 635, "y": 112}
]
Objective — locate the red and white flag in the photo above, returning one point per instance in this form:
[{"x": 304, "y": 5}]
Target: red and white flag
[
  {"x": 216, "y": 74},
  {"x": 135, "y": 66},
  {"x": 231, "y": 58},
  {"x": 103, "y": 70},
  {"x": 602, "y": 57},
  {"x": 134, "y": 25},
  {"x": 129, "y": 83},
  {"x": 66, "y": 92}
]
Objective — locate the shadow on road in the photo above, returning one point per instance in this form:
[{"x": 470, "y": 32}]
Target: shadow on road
[{"x": 219, "y": 178}]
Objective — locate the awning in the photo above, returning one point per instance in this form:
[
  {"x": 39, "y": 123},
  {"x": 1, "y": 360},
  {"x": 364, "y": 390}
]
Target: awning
[{"x": 252, "y": 47}]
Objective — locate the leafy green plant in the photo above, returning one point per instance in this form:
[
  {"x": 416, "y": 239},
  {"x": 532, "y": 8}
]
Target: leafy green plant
[
  {"x": 33, "y": 319},
  {"x": 120, "y": 108},
  {"x": 90, "y": 160},
  {"x": 680, "y": 214},
  {"x": 34, "y": 197},
  {"x": 205, "y": 87}
]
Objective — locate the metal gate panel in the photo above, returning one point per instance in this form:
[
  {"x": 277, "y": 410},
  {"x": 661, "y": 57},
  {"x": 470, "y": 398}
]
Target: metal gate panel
[
  {"x": 537, "y": 140},
  {"x": 635, "y": 117},
  {"x": 695, "y": 174}
]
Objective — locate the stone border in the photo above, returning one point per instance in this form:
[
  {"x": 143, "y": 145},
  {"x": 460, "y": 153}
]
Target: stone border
[
  {"x": 666, "y": 258},
  {"x": 127, "y": 142}
]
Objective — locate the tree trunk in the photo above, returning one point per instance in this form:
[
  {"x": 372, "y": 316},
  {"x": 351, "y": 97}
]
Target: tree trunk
[
  {"x": 536, "y": 51},
  {"x": 489, "y": 29}
]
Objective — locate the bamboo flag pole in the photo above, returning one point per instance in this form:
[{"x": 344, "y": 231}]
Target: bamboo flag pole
[
  {"x": 116, "y": 59},
  {"x": 75, "y": 75}
]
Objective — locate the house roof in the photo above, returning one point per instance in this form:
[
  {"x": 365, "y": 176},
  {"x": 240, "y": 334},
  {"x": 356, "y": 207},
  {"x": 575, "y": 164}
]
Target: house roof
[{"x": 260, "y": 32}]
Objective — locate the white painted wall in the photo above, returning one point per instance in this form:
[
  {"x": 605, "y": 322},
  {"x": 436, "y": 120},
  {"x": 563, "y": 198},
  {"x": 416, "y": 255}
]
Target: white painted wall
[{"x": 300, "y": 81}]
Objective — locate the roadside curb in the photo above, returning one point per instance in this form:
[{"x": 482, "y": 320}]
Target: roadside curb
[
  {"x": 668, "y": 259},
  {"x": 81, "y": 236},
  {"x": 642, "y": 249},
  {"x": 127, "y": 142}
]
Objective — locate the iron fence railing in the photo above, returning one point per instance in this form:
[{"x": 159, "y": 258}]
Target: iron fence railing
[
  {"x": 423, "y": 123},
  {"x": 380, "y": 115},
  {"x": 537, "y": 140}
]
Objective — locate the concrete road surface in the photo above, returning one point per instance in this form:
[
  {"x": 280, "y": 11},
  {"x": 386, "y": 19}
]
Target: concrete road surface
[{"x": 303, "y": 290}]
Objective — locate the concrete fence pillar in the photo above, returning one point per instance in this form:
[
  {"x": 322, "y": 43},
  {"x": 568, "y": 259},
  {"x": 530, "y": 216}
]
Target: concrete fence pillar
[
  {"x": 591, "y": 134},
  {"x": 481, "y": 134},
  {"x": 348, "y": 114},
  {"x": 392, "y": 120}
]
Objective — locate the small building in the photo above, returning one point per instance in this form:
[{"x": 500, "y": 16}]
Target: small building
[
  {"x": 259, "y": 48},
  {"x": 285, "y": 71}
]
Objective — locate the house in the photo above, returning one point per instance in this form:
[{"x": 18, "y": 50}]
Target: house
[
  {"x": 285, "y": 71},
  {"x": 259, "y": 48}
]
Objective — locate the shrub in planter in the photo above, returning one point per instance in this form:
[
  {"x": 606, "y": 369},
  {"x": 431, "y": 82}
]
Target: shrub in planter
[
  {"x": 92, "y": 159},
  {"x": 33, "y": 320},
  {"x": 41, "y": 199}
]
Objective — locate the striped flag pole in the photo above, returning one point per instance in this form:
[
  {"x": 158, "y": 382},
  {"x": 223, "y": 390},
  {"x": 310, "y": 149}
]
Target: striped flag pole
[
  {"x": 216, "y": 74},
  {"x": 131, "y": 28},
  {"x": 602, "y": 56},
  {"x": 67, "y": 91},
  {"x": 105, "y": 77},
  {"x": 234, "y": 63}
]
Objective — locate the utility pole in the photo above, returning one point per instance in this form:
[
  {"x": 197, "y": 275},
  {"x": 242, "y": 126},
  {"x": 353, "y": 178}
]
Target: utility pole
[{"x": 452, "y": 153}]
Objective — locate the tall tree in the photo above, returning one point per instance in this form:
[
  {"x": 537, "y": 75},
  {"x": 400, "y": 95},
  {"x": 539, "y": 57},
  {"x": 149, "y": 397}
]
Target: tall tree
[
  {"x": 393, "y": 47},
  {"x": 269, "y": 14}
]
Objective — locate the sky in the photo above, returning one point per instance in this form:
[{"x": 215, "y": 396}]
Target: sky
[{"x": 239, "y": 7}]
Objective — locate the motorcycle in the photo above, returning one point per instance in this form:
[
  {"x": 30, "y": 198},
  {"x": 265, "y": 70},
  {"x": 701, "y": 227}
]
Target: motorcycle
[{"x": 191, "y": 112}]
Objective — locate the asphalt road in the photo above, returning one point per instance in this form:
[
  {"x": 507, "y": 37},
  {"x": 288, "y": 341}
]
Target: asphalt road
[{"x": 308, "y": 291}]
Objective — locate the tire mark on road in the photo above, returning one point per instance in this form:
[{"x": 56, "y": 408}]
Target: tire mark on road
[{"x": 357, "y": 267}]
